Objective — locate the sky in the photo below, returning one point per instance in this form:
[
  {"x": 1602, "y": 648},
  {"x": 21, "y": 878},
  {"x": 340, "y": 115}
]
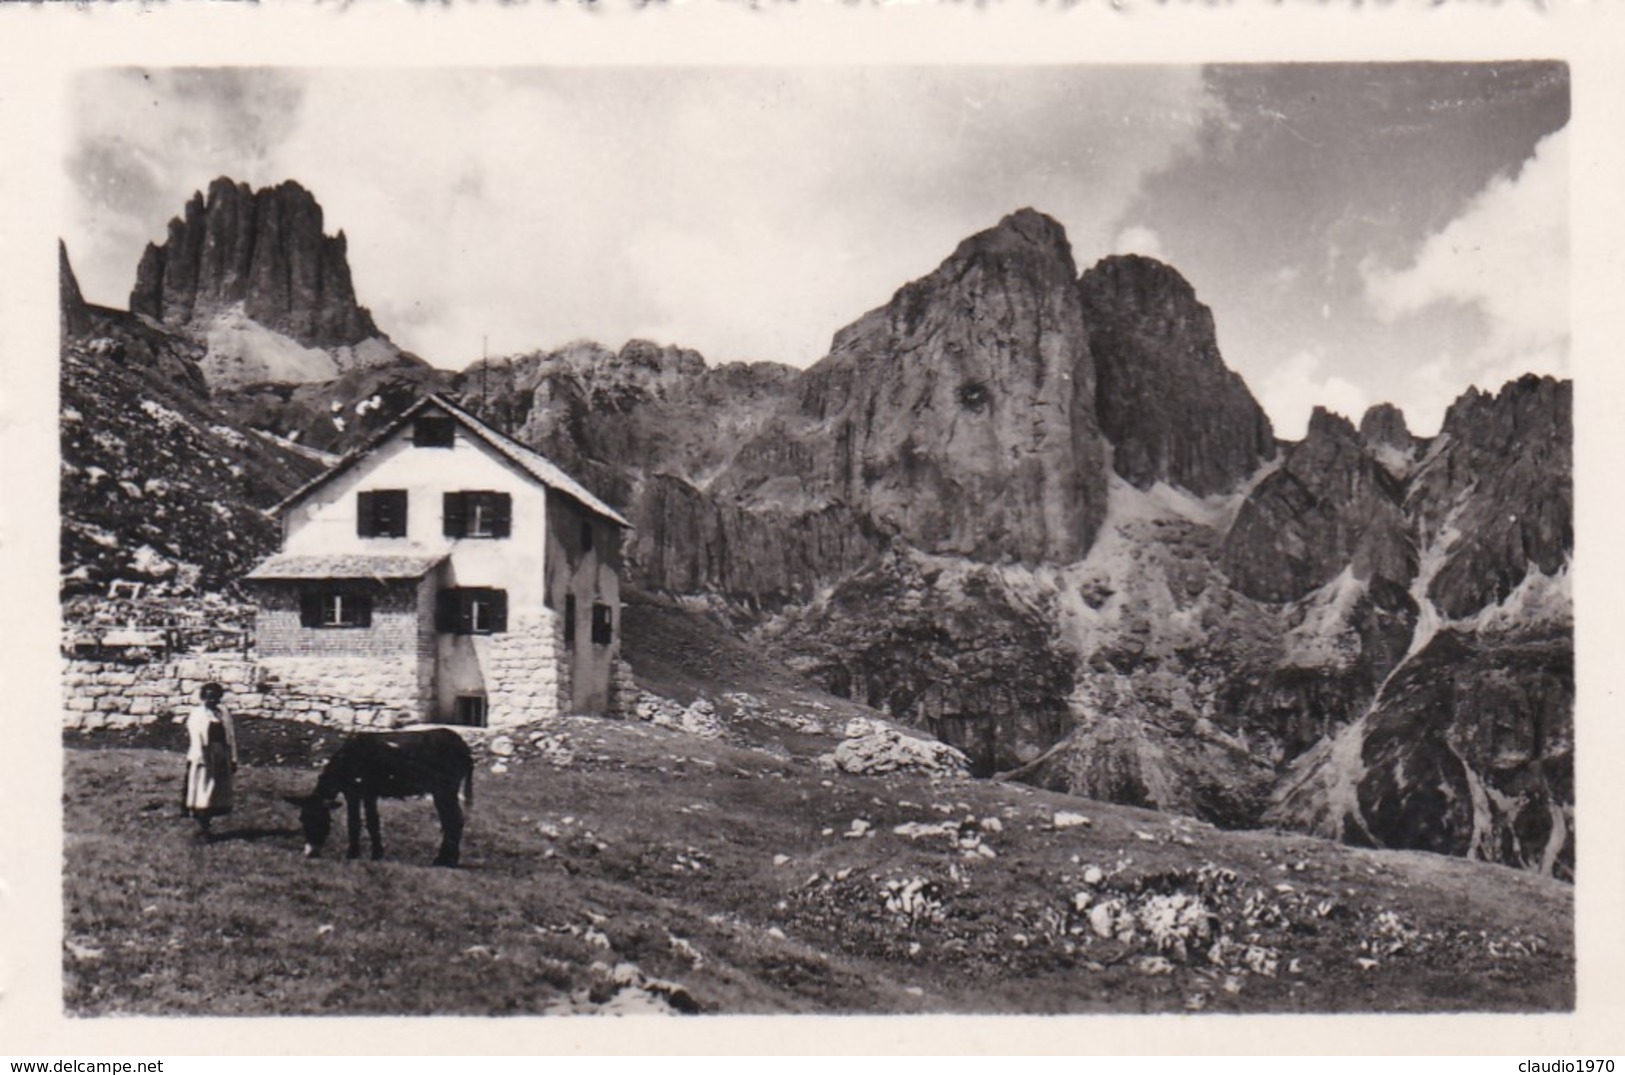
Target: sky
[{"x": 1363, "y": 233}]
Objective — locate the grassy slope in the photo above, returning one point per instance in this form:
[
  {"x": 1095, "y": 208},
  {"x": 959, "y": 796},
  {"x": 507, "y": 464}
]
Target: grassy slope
[{"x": 619, "y": 866}]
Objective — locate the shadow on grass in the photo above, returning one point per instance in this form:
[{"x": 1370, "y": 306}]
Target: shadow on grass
[{"x": 250, "y": 834}]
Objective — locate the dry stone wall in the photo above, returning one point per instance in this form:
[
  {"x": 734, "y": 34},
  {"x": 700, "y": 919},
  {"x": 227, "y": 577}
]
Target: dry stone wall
[{"x": 99, "y": 694}]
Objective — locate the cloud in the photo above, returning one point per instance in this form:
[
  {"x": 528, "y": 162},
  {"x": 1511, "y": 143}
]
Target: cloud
[
  {"x": 1506, "y": 255},
  {"x": 749, "y": 213},
  {"x": 1138, "y": 239},
  {"x": 1291, "y": 391},
  {"x": 144, "y": 140}
]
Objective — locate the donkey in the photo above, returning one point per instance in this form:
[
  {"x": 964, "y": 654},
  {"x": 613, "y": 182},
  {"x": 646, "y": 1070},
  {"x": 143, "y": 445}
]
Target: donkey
[{"x": 391, "y": 765}]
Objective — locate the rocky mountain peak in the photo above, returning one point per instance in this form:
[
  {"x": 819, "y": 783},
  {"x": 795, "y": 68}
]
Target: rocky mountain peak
[
  {"x": 960, "y": 415},
  {"x": 1165, "y": 399},
  {"x": 1385, "y": 423},
  {"x": 1531, "y": 408},
  {"x": 1023, "y": 232},
  {"x": 1330, "y": 506},
  {"x": 1328, "y": 423},
  {"x": 1497, "y": 493},
  {"x": 263, "y": 250}
]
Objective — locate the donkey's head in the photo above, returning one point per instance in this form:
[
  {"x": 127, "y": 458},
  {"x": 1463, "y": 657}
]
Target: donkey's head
[{"x": 316, "y": 818}]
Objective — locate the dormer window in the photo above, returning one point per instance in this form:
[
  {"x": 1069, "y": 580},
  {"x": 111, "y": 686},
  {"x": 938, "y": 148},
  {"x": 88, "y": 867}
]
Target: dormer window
[
  {"x": 434, "y": 431},
  {"x": 478, "y": 514},
  {"x": 380, "y": 513}
]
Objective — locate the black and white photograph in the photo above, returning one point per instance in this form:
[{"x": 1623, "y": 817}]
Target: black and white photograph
[{"x": 706, "y": 539}]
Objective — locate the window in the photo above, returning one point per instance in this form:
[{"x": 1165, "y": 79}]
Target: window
[
  {"x": 472, "y": 611},
  {"x": 381, "y": 513},
  {"x": 586, "y": 535},
  {"x": 471, "y": 710},
  {"x": 603, "y": 625},
  {"x": 477, "y": 515},
  {"x": 334, "y": 608},
  {"x": 569, "y": 619},
  {"x": 434, "y": 431}
]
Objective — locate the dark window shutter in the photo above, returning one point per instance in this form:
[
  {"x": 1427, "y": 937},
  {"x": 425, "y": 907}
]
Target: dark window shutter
[
  {"x": 310, "y": 608},
  {"x": 363, "y": 610},
  {"x": 501, "y": 515},
  {"x": 454, "y": 514},
  {"x": 390, "y": 513},
  {"x": 366, "y": 517},
  {"x": 569, "y": 618},
  {"x": 499, "y": 611},
  {"x": 445, "y": 611}
]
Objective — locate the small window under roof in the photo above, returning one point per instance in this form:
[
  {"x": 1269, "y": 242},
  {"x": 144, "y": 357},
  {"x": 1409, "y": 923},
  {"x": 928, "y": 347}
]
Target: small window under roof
[{"x": 434, "y": 431}]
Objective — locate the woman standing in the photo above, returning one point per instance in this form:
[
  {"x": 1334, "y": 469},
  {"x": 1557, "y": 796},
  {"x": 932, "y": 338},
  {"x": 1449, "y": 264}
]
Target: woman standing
[{"x": 211, "y": 758}]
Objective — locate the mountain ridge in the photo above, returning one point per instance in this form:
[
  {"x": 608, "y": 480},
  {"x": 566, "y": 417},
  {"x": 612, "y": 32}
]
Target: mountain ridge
[{"x": 1032, "y": 511}]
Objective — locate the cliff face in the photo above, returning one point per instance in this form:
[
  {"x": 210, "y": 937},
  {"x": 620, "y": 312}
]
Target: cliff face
[
  {"x": 1495, "y": 493},
  {"x": 1469, "y": 751},
  {"x": 1165, "y": 399},
  {"x": 252, "y": 276},
  {"x": 759, "y": 560},
  {"x": 264, "y": 249},
  {"x": 1330, "y": 505},
  {"x": 961, "y": 416}
]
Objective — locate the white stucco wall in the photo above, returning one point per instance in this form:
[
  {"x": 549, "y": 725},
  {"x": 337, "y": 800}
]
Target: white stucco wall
[{"x": 325, "y": 522}]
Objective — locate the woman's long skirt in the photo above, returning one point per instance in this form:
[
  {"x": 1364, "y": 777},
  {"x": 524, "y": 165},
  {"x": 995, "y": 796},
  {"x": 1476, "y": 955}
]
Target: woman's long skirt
[{"x": 208, "y": 782}]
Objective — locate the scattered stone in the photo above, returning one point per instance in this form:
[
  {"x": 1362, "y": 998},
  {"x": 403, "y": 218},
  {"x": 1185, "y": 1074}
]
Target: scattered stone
[
  {"x": 916, "y": 829},
  {"x": 502, "y": 746},
  {"x": 1066, "y": 819},
  {"x": 885, "y": 750},
  {"x": 699, "y": 718},
  {"x": 915, "y": 901},
  {"x": 685, "y": 949}
]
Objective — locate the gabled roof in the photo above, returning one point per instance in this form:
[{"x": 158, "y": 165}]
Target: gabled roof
[
  {"x": 530, "y": 462},
  {"x": 287, "y": 566}
]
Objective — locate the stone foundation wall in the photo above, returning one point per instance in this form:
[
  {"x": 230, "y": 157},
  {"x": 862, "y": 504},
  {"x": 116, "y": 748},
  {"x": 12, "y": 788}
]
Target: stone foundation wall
[
  {"x": 623, "y": 691},
  {"x": 522, "y": 666},
  {"x": 97, "y": 694},
  {"x": 344, "y": 692},
  {"x": 347, "y": 691},
  {"x": 564, "y": 665}
]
